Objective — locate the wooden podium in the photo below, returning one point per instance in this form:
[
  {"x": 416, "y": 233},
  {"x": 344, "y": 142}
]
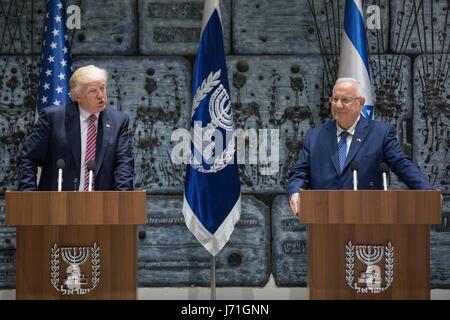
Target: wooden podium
[
  {"x": 76, "y": 245},
  {"x": 369, "y": 244}
]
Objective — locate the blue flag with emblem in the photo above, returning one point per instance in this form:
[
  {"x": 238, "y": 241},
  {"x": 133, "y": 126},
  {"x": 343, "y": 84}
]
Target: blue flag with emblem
[
  {"x": 354, "y": 58},
  {"x": 212, "y": 195},
  {"x": 56, "y": 61}
]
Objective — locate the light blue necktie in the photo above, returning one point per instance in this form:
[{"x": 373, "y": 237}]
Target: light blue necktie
[{"x": 342, "y": 149}]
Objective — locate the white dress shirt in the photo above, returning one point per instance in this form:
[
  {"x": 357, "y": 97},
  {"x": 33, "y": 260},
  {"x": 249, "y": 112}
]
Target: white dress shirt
[{"x": 351, "y": 132}]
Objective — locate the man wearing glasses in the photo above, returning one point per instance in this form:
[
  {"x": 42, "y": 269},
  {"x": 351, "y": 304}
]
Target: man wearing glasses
[{"x": 329, "y": 149}]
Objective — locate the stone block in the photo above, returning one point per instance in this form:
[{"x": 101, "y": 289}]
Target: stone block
[
  {"x": 275, "y": 93},
  {"x": 298, "y": 27},
  {"x": 431, "y": 118},
  {"x": 420, "y": 27},
  {"x": 18, "y": 89},
  {"x": 7, "y": 251},
  {"x": 169, "y": 254},
  {"x": 439, "y": 244},
  {"x": 172, "y": 27},
  {"x": 289, "y": 246},
  {"x": 391, "y": 81},
  {"x": 107, "y": 27}
]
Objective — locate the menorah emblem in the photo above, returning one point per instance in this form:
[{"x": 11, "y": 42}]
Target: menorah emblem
[
  {"x": 370, "y": 255},
  {"x": 75, "y": 281},
  {"x": 370, "y": 280},
  {"x": 74, "y": 257}
]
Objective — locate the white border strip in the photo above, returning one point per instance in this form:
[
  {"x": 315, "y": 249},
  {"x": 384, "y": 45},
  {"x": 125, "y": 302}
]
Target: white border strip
[
  {"x": 212, "y": 242},
  {"x": 208, "y": 9}
]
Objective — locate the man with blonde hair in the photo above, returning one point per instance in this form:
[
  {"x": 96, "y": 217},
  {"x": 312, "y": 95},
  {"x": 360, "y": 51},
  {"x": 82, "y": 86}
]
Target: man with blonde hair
[
  {"x": 331, "y": 148},
  {"x": 84, "y": 133}
]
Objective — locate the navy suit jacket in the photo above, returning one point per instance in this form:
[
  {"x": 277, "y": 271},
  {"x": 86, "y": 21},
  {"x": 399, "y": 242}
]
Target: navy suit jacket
[
  {"x": 57, "y": 135},
  {"x": 374, "y": 142}
]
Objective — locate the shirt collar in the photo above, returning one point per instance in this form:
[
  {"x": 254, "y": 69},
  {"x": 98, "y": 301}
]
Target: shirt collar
[
  {"x": 84, "y": 115},
  {"x": 350, "y": 130}
]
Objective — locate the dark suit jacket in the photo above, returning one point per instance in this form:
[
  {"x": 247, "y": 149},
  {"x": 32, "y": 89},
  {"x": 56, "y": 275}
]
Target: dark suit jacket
[
  {"x": 56, "y": 135},
  {"x": 374, "y": 142}
]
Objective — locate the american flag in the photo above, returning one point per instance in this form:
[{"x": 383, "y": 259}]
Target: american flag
[{"x": 56, "y": 61}]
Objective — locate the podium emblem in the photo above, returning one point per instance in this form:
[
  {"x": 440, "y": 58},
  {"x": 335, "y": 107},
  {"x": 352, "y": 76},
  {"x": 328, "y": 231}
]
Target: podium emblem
[
  {"x": 75, "y": 282},
  {"x": 369, "y": 275}
]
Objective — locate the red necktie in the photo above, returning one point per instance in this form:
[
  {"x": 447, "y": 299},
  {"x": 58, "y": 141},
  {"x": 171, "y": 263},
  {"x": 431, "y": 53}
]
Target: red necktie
[{"x": 90, "y": 149}]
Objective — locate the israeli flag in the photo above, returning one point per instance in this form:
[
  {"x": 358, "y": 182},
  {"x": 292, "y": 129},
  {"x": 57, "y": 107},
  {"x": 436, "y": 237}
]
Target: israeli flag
[
  {"x": 354, "y": 59},
  {"x": 212, "y": 195}
]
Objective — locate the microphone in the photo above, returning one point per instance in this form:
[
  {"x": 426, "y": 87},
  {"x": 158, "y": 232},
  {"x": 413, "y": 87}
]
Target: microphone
[
  {"x": 76, "y": 185},
  {"x": 60, "y": 164},
  {"x": 384, "y": 169},
  {"x": 91, "y": 169},
  {"x": 354, "y": 166}
]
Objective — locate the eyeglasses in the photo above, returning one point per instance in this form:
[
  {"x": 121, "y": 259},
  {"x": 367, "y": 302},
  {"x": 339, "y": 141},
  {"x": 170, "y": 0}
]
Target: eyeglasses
[{"x": 344, "y": 101}]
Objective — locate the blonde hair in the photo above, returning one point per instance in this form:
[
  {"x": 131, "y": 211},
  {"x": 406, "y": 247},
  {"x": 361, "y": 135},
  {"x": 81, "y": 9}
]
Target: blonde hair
[{"x": 86, "y": 75}]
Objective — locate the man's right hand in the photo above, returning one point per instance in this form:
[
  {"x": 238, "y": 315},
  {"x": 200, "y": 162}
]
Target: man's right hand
[{"x": 294, "y": 202}]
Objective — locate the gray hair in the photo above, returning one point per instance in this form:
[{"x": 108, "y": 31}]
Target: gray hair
[{"x": 359, "y": 92}]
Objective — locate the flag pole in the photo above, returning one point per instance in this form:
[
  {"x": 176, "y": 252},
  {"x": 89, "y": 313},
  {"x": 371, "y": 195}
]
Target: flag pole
[
  {"x": 211, "y": 216},
  {"x": 213, "y": 277}
]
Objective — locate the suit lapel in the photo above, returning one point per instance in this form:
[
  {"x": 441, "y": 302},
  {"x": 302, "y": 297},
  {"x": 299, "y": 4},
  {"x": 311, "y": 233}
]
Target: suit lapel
[
  {"x": 73, "y": 133},
  {"x": 331, "y": 143},
  {"x": 103, "y": 136},
  {"x": 361, "y": 131}
]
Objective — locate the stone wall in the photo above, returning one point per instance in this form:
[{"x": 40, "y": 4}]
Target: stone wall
[{"x": 282, "y": 58}]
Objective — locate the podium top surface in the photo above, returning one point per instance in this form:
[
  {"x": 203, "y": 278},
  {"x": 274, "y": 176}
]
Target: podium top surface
[
  {"x": 75, "y": 208},
  {"x": 370, "y": 207}
]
